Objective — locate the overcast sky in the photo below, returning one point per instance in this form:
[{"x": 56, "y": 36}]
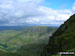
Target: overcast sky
[{"x": 35, "y": 12}]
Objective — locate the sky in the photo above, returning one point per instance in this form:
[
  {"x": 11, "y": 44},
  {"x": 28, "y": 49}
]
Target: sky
[{"x": 35, "y": 12}]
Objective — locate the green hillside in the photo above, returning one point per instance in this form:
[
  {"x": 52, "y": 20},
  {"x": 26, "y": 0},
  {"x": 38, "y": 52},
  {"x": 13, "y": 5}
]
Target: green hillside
[
  {"x": 25, "y": 42},
  {"x": 63, "y": 39}
]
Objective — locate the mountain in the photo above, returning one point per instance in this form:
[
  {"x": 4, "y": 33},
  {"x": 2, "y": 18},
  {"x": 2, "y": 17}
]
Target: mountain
[
  {"x": 25, "y": 42},
  {"x": 63, "y": 39},
  {"x": 18, "y": 28}
]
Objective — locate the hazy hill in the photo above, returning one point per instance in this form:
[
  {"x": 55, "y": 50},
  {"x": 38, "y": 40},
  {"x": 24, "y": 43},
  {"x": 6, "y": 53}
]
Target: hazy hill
[
  {"x": 18, "y": 28},
  {"x": 63, "y": 39}
]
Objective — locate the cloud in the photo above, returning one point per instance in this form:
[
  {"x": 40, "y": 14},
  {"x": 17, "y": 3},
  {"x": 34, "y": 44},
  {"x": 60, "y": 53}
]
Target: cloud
[
  {"x": 22, "y": 12},
  {"x": 16, "y": 10},
  {"x": 54, "y": 17}
]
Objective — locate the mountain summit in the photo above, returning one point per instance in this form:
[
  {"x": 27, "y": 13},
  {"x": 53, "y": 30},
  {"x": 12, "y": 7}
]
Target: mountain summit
[{"x": 63, "y": 39}]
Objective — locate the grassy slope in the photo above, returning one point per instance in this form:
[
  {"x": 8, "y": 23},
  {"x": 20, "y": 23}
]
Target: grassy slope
[
  {"x": 64, "y": 38},
  {"x": 33, "y": 38}
]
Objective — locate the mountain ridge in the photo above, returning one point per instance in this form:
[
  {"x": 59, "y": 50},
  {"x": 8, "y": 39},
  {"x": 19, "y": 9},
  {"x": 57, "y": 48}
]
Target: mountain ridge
[{"x": 63, "y": 39}]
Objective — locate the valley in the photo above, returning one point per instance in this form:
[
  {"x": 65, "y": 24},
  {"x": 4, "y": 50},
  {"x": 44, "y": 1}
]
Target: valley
[{"x": 27, "y": 42}]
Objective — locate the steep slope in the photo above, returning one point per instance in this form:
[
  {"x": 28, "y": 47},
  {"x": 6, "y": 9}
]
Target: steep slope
[{"x": 63, "y": 39}]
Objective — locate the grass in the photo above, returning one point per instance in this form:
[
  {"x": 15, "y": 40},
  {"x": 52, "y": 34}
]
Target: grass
[{"x": 29, "y": 42}]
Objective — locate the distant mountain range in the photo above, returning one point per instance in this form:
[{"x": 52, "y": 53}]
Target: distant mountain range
[
  {"x": 13, "y": 28},
  {"x": 18, "y": 28}
]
